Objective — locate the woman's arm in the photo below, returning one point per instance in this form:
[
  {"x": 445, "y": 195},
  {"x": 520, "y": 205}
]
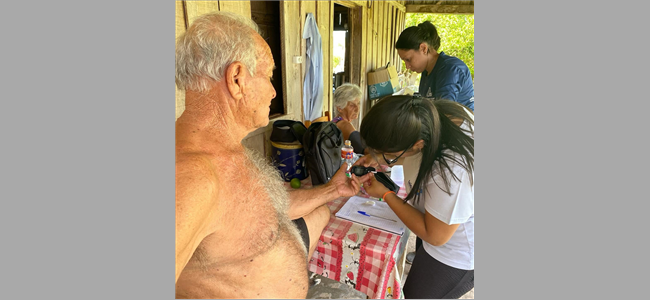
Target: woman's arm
[
  {"x": 349, "y": 133},
  {"x": 424, "y": 225},
  {"x": 346, "y": 128},
  {"x": 359, "y": 147}
]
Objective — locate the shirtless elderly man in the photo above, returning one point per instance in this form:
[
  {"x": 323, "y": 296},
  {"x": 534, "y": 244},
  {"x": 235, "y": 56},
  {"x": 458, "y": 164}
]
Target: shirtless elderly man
[{"x": 235, "y": 237}]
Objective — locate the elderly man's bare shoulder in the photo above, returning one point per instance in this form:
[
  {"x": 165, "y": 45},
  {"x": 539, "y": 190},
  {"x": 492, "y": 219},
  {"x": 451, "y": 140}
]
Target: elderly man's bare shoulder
[{"x": 195, "y": 171}]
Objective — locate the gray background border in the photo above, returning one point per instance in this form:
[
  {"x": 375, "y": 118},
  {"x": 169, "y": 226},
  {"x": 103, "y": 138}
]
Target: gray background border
[{"x": 88, "y": 134}]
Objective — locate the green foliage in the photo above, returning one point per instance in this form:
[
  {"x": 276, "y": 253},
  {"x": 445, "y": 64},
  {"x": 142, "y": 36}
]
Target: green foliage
[
  {"x": 337, "y": 61},
  {"x": 456, "y": 34}
]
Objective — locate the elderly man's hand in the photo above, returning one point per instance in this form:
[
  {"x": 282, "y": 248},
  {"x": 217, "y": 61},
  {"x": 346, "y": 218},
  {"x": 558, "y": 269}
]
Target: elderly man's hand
[{"x": 345, "y": 187}]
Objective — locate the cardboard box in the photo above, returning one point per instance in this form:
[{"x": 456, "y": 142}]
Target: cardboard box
[{"x": 382, "y": 82}]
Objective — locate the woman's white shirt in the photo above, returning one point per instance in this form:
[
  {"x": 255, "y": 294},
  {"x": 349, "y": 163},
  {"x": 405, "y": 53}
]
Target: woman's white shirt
[{"x": 457, "y": 208}]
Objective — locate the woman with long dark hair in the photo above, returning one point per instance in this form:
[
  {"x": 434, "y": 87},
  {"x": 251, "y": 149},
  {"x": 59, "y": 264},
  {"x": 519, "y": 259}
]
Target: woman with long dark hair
[
  {"x": 434, "y": 141},
  {"x": 443, "y": 76}
]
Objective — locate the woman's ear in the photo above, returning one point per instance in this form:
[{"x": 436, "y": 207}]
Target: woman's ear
[
  {"x": 424, "y": 48},
  {"x": 419, "y": 145}
]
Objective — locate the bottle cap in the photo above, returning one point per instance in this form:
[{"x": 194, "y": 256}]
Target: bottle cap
[{"x": 348, "y": 143}]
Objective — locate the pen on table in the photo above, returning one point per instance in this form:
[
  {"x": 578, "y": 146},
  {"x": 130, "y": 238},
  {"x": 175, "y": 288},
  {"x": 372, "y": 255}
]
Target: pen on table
[{"x": 366, "y": 214}]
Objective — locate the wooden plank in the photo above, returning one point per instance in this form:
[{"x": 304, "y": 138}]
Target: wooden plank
[
  {"x": 380, "y": 32},
  {"x": 360, "y": 48},
  {"x": 363, "y": 10},
  {"x": 363, "y": 16},
  {"x": 348, "y": 4},
  {"x": 400, "y": 28},
  {"x": 331, "y": 59},
  {"x": 439, "y": 8},
  {"x": 389, "y": 32},
  {"x": 353, "y": 27},
  {"x": 388, "y": 44},
  {"x": 197, "y": 8},
  {"x": 387, "y": 28},
  {"x": 324, "y": 19},
  {"x": 375, "y": 34},
  {"x": 365, "y": 4},
  {"x": 356, "y": 44},
  {"x": 397, "y": 5},
  {"x": 371, "y": 36},
  {"x": 391, "y": 35},
  {"x": 393, "y": 28},
  {"x": 397, "y": 33},
  {"x": 291, "y": 36},
  {"x": 239, "y": 7},
  {"x": 180, "y": 29}
]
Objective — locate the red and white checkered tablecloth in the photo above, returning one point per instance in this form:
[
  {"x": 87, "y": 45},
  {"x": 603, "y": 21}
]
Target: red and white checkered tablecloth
[{"x": 359, "y": 256}]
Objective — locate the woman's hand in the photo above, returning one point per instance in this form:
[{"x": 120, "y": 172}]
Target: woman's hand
[
  {"x": 367, "y": 161},
  {"x": 373, "y": 187}
]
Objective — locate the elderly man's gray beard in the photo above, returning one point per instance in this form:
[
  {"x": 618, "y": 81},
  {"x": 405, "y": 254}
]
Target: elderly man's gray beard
[{"x": 272, "y": 182}]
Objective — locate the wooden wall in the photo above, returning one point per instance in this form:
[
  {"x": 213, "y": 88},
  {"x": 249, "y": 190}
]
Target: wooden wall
[
  {"x": 375, "y": 28},
  {"x": 384, "y": 21}
]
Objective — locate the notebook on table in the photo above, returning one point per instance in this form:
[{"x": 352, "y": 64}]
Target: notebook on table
[{"x": 378, "y": 216}]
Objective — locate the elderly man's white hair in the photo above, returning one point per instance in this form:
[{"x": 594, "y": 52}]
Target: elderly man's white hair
[
  {"x": 345, "y": 93},
  {"x": 213, "y": 42}
]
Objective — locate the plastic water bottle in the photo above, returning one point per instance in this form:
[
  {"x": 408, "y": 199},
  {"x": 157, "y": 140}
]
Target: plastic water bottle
[{"x": 347, "y": 153}]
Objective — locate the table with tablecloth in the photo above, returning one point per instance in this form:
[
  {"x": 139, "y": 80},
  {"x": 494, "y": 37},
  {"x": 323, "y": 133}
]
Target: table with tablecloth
[{"x": 368, "y": 259}]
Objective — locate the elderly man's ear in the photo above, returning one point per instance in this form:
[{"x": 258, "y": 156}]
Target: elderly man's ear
[{"x": 236, "y": 75}]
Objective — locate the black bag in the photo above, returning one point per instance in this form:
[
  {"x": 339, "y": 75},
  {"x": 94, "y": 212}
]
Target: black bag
[
  {"x": 322, "y": 143},
  {"x": 287, "y": 131}
]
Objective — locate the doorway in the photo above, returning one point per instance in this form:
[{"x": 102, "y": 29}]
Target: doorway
[
  {"x": 267, "y": 16},
  {"x": 341, "y": 46}
]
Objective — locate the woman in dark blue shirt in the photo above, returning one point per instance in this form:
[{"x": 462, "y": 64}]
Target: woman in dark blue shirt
[{"x": 443, "y": 76}]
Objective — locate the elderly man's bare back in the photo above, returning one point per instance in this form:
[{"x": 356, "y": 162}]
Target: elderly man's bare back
[{"x": 255, "y": 250}]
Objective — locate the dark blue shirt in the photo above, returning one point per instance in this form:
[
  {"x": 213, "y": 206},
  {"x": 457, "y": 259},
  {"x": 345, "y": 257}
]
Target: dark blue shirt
[{"x": 450, "y": 79}]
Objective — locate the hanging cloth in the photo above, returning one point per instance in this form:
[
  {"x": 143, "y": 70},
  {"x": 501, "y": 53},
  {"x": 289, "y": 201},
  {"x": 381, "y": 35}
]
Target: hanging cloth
[{"x": 312, "y": 96}]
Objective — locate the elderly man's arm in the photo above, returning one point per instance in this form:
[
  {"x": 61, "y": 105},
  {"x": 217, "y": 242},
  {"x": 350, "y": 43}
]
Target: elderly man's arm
[
  {"x": 195, "y": 207},
  {"x": 304, "y": 201}
]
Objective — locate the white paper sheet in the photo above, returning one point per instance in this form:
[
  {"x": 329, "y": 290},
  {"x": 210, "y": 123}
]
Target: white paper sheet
[{"x": 377, "y": 212}]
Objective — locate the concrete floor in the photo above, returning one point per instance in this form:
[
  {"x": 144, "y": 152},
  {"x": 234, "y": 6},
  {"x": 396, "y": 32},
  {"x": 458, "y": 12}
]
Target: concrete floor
[{"x": 410, "y": 247}]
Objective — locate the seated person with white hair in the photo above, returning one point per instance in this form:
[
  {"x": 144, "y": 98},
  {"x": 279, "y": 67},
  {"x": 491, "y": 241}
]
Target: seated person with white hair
[{"x": 347, "y": 98}]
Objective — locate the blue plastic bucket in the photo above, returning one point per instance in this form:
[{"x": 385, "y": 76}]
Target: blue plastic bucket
[{"x": 289, "y": 159}]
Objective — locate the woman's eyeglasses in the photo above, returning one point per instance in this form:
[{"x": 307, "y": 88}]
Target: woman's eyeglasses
[{"x": 394, "y": 160}]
